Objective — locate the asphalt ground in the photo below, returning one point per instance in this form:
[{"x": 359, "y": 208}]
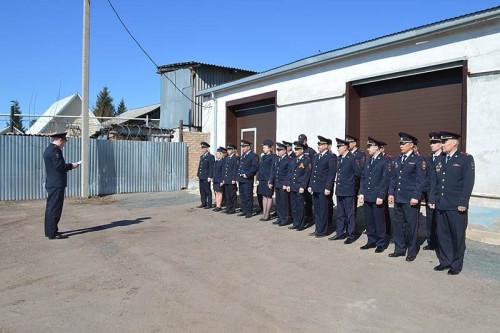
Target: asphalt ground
[{"x": 152, "y": 262}]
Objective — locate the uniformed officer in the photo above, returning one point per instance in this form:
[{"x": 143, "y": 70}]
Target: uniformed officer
[
  {"x": 430, "y": 216},
  {"x": 324, "y": 170},
  {"x": 299, "y": 175},
  {"x": 348, "y": 174},
  {"x": 373, "y": 194},
  {"x": 289, "y": 148},
  {"x": 218, "y": 175},
  {"x": 405, "y": 191},
  {"x": 205, "y": 175},
  {"x": 280, "y": 182},
  {"x": 230, "y": 176},
  {"x": 264, "y": 176},
  {"x": 451, "y": 194},
  {"x": 309, "y": 153},
  {"x": 353, "y": 148},
  {"x": 249, "y": 164},
  {"x": 388, "y": 223},
  {"x": 57, "y": 179}
]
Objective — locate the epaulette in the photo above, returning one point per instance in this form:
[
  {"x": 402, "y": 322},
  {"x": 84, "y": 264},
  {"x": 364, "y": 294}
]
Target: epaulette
[{"x": 464, "y": 153}]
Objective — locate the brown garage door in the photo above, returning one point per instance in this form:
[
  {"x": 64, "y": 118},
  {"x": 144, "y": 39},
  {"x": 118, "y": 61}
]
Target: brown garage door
[{"x": 415, "y": 104}]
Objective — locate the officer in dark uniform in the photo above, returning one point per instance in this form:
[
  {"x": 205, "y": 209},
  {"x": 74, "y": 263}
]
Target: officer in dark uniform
[
  {"x": 205, "y": 175},
  {"x": 55, "y": 184},
  {"x": 388, "y": 224},
  {"x": 373, "y": 194},
  {"x": 249, "y": 164},
  {"x": 264, "y": 176},
  {"x": 430, "y": 216},
  {"x": 451, "y": 193},
  {"x": 309, "y": 153},
  {"x": 230, "y": 176},
  {"x": 289, "y": 148},
  {"x": 405, "y": 191},
  {"x": 324, "y": 170},
  {"x": 353, "y": 148},
  {"x": 300, "y": 172},
  {"x": 348, "y": 174},
  {"x": 218, "y": 175},
  {"x": 280, "y": 182}
]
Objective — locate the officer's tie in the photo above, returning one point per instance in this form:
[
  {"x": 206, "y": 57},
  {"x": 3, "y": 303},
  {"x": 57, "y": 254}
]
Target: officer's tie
[
  {"x": 447, "y": 158},
  {"x": 371, "y": 160},
  {"x": 404, "y": 159}
]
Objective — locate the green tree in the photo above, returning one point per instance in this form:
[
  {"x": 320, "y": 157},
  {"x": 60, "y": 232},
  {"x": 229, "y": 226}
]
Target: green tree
[
  {"x": 104, "y": 105},
  {"x": 121, "y": 108},
  {"x": 17, "y": 120}
]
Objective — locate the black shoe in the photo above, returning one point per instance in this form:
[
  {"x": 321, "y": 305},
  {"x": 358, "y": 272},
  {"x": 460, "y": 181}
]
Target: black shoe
[
  {"x": 248, "y": 215},
  {"x": 312, "y": 234},
  {"x": 275, "y": 222},
  {"x": 208, "y": 207},
  {"x": 349, "y": 241},
  {"x": 241, "y": 214},
  {"x": 337, "y": 237},
  {"x": 368, "y": 246},
  {"x": 379, "y": 249},
  {"x": 320, "y": 236},
  {"x": 217, "y": 209},
  {"x": 394, "y": 255},
  {"x": 428, "y": 247},
  {"x": 230, "y": 212},
  {"x": 283, "y": 224},
  {"x": 265, "y": 219},
  {"x": 454, "y": 271},
  {"x": 440, "y": 268},
  {"x": 410, "y": 258},
  {"x": 292, "y": 227},
  {"x": 58, "y": 236},
  {"x": 200, "y": 206},
  {"x": 304, "y": 227},
  {"x": 258, "y": 211}
]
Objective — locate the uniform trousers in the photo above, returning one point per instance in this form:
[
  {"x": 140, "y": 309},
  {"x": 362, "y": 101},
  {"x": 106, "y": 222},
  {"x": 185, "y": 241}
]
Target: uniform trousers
[
  {"x": 230, "y": 193},
  {"x": 53, "y": 210},
  {"x": 309, "y": 205},
  {"x": 405, "y": 228},
  {"x": 298, "y": 202},
  {"x": 205, "y": 192},
  {"x": 246, "y": 197},
  {"x": 451, "y": 226},
  {"x": 321, "y": 203},
  {"x": 430, "y": 223},
  {"x": 346, "y": 207},
  {"x": 375, "y": 223},
  {"x": 282, "y": 198}
]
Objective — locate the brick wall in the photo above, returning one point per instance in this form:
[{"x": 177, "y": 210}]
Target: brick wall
[{"x": 192, "y": 140}]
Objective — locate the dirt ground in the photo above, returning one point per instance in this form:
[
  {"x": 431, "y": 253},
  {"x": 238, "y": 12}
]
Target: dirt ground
[{"x": 151, "y": 262}]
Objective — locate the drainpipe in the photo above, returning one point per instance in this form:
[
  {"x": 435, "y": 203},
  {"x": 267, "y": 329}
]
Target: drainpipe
[{"x": 215, "y": 121}]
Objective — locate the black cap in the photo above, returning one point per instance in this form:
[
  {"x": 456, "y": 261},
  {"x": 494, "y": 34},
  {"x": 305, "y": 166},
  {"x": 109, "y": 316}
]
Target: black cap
[
  {"x": 298, "y": 145},
  {"x": 221, "y": 150},
  {"x": 280, "y": 146},
  {"x": 230, "y": 146},
  {"x": 203, "y": 144},
  {"x": 405, "y": 138},
  {"x": 374, "y": 142},
  {"x": 59, "y": 135},
  {"x": 322, "y": 140},
  {"x": 286, "y": 143},
  {"x": 268, "y": 143},
  {"x": 434, "y": 137},
  {"x": 448, "y": 135},
  {"x": 245, "y": 143},
  {"x": 341, "y": 142},
  {"x": 302, "y": 137},
  {"x": 351, "y": 138}
]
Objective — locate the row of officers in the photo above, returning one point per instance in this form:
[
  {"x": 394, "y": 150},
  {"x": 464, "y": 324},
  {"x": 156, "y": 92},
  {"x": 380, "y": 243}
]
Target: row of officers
[{"x": 304, "y": 181}]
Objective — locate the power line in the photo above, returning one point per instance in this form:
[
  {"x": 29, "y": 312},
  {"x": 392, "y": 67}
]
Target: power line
[{"x": 147, "y": 55}]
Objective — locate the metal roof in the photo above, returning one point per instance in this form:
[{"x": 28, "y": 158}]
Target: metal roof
[
  {"x": 131, "y": 114},
  {"x": 372, "y": 44},
  {"x": 174, "y": 66}
]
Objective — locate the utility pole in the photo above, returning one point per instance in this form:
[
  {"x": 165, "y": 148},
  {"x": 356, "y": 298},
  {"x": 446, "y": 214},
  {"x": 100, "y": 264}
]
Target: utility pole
[
  {"x": 85, "y": 102},
  {"x": 12, "y": 111}
]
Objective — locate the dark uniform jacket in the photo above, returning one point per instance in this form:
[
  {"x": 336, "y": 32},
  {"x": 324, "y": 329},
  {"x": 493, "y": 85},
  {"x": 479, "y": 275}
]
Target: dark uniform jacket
[
  {"x": 408, "y": 179},
  {"x": 324, "y": 170},
  {"x": 280, "y": 171},
  {"x": 299, "y": 173},
  {"x": 359, "y": 155},
  {"x": 264, "y": 174},
  {"x": 55, "y": 167},
  {"x": 249, "y": 164},
  {"x": 431, "y": 164},
  {"x": 206, "y": 166},
  {"x": 230, "y": 169},
  {"x": 453, "y": 181},
  {"x": 349, "y": 171},
  {"x": 309, "y": 152},
  {"x": 219, "y": 170},
  {"x": 375, "y": 178}
]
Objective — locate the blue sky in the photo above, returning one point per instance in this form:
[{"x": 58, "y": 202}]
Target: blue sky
[{"x": 42, "y": 40}]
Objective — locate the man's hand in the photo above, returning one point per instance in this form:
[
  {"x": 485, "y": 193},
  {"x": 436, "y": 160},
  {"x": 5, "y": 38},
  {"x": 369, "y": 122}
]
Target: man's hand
[
  {"x": 462, "y": 208},
  {"x": 301, "y": 190},
  {"x": 209, "y": 180},
  {"x": 391, "y": 199},
  {"x": 75, "y": 165},
  {"x": 310, "y": 190},
  {"x": 379, "y": 201},
  {"x": 327, "y": 192},
  {"x": 361, "y": 198},
  {"x": 432, "y": 206},
  {"x": 413, "y": 201}
]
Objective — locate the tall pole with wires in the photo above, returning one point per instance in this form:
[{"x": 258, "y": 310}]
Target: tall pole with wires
[{"x": 85, "y": 167}]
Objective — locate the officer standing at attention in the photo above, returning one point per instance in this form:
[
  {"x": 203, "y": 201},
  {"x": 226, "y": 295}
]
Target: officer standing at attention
[
  {"x": 452, "y": 190},
  {"x": 324, "y": 170},
  {"x": 309, "y": 153},
  {"x": 289, "y": 148},
  {"x": 55, "y": 184},
  {"x": 373, "y": 194},
  {"x": 218, "y": 174},
  {"x": 353, "y": 148},
  {"x": 249, "y": 164},
  {"x": 230, "y": 175},
  {"x": 348, "y": 174},
  {"x": 405, "y": 191},
  {"x": 205, "y": 175},
  {"x": 264, "y": 176},
  {"x": 280, "y": 182},
  {"x": 388, "y": 224},
  {"x": 430, "y": 216},
  {"x": 299, "y": 175}
]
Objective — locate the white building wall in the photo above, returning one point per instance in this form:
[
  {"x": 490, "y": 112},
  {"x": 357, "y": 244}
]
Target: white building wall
[{"x": 327, "y": 82}]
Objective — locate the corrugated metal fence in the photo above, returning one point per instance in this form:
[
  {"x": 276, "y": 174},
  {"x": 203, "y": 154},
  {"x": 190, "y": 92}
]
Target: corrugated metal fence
[{"x": 115, "y": 167}]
